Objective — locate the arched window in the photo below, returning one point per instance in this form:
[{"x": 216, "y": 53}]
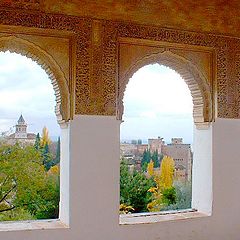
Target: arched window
[
  {"x": 30, "y": 148},
  {"x": 163, "y": 114},
  {"x": 157, "y": 128}
]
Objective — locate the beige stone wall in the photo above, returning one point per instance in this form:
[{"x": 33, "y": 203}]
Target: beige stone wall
[
  {"x": 181, "y": 153},
  {"x": 12, "y": 141},
  {"x": 155, "y": 145}
]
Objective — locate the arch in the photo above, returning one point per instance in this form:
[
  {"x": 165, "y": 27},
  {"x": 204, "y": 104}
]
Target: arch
[
  {"x": 47, "y": 62},
  {"x": 196, "y": 81}
]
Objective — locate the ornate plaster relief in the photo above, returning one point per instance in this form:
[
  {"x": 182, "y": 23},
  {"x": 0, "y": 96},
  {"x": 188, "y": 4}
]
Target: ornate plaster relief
[
  {"x": 56, "y": 65},
  {"x": 97, "y": 60}
]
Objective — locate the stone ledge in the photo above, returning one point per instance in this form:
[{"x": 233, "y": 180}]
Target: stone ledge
[
  {"x": 31, "y": 225},
  {"x": 154, "y": 217}
]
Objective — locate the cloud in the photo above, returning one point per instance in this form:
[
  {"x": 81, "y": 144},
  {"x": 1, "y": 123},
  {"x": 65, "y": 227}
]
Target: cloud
[
  {"x": 157, "y": 102},
  {"x": 25, "y": 88}
]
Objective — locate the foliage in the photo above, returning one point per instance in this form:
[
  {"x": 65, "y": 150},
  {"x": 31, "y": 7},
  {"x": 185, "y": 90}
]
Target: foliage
[
  {"x": 51, "y": 196},
  {"x": 47, "y": 157},
  {"x": 150, "y": 168},
  {"x": 25, "y": 187},
  {"x": 156, "y": 204},
  {"x": 124, "y": 209},
  {"x": 45, "y": 140},
  {"x": 55, "y": 170},
  {"x": 134, "y": 188},
  {"x": 164, "y": 193},
  {"x": 159, "y": 193},
  {"x": 165, "y": 179},
  {"x": 42, "y": 144},
  {"x": 37, "y": 143},
  {"x": 16, "y": 215},
  {"x": 169, "y": 196},
  {"x": 57, "y": 158},
  {"x": 146, "y": 158},
  {"x": 183, "y": 196},
  {"x": 155, "y": 159}
]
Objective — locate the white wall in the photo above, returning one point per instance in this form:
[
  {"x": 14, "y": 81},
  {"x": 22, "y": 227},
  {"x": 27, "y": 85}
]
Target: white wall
[
  {"x": 202, "y": 170},
  {"x": 94, "y": 189}
]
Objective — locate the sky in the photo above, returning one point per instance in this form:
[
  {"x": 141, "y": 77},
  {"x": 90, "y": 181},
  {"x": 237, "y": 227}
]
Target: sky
[
  {"x": 157, "y": 102},
  {"x": 26, "y": 89}
]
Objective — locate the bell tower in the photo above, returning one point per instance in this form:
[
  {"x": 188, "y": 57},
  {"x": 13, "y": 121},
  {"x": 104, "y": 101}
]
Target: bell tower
[{"x": 21, "y": 128}]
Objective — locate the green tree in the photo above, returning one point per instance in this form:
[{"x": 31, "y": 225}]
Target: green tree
[
  {"x": 164, "y": 193},
  {"x": 57, "y": 158},
  {"x": 155, "y": 159},
  {"x": 37, "y": 143},
  {"x": 146, "y": 158},
  {"x": 134, "y": 188},
  {"x": 25, "y": 187},
  {"x": 47, "y": 157},
  {"x": 183, "y": 196}
]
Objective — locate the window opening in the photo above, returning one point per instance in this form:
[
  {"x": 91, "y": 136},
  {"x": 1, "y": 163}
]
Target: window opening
[
  {"x": 156, "y": 142},
  {"x": 29, "y": 141}
]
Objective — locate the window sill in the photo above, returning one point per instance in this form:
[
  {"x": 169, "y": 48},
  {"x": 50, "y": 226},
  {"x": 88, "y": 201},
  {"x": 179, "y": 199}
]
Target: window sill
[
  {"x": 31, "y": 225},
  {"x": 154, "y": 217}
]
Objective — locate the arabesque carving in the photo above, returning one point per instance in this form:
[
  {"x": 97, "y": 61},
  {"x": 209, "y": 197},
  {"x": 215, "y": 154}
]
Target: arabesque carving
[
  {"x": 82, "y": 30},
  {"x": 197, "y": 83},
  {"x": 59, "y": 82},
  {"x": 24, "y": 4},
  {"x": 101, "y": 83}
]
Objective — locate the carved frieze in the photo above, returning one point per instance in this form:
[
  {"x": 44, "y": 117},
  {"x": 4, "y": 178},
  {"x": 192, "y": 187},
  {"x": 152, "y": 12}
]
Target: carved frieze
[
  {"x": 82, "y": 30},
  {"x": 97, "y": 53},
  {"x": 23, "y": 4}
]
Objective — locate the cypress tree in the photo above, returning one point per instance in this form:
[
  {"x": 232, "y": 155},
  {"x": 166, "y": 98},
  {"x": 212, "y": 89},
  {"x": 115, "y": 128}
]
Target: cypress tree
[
  {"x": 46, "y": 157},
  {"x": 57, "y": 158},
  {"x": 37, "y": 142}
]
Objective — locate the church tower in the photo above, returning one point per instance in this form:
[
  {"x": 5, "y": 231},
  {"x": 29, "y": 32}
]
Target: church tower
[{"x": 21, "y": 128}]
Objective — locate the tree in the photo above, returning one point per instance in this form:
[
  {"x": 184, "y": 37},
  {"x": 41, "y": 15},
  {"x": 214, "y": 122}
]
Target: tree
[
  {"x": 57, "y": 158},
  {"x": 146, "y": 158},
  {"x": 183, "y": 196},
  {"x": 164, "y": 193},
  {"x": 45, "y": 137},
  {"x": 166, "y": 172},
  {"x": 44, "y": 148},
  {"x": 37, "y": 143},
  {"x": 150, "y": 168},
  {"x": 134, "y": 189},
  {"x": 47, "y": 157},
  {"x": 26, "y": 190},
  {"x": 155, "y": 159}
]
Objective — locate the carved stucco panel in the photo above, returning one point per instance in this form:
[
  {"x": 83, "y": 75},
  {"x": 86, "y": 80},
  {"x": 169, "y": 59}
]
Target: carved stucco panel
[
  {"x": 24, "y": 4},
  {"x": 197, "y": 83},
  {"x": 202, "y": 59},
  {"x": 97, "y": 60},
  {"x": 81, "y": 28},
  {"x": 47, "y": 62}
]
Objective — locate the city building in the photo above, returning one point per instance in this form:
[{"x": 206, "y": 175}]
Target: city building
[
  {"x": 21, "y": 135},
  {"x": 180, "y": 152},
  {"x": 182, "y": 156}
]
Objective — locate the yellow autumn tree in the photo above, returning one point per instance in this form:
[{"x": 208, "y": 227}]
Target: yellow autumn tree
[
  {"x": 45, "y": 140},
  {"x": 163, "y": 180},
  {"x": 150, "y": 168},
  {"x": 166, "y": 172},
  {"x": 55, "y": 170}
]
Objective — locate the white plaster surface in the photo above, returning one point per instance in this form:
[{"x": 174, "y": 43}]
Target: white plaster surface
[
  {"x": 202, "y": 171},
  {"x": 94, "y": 189}
]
